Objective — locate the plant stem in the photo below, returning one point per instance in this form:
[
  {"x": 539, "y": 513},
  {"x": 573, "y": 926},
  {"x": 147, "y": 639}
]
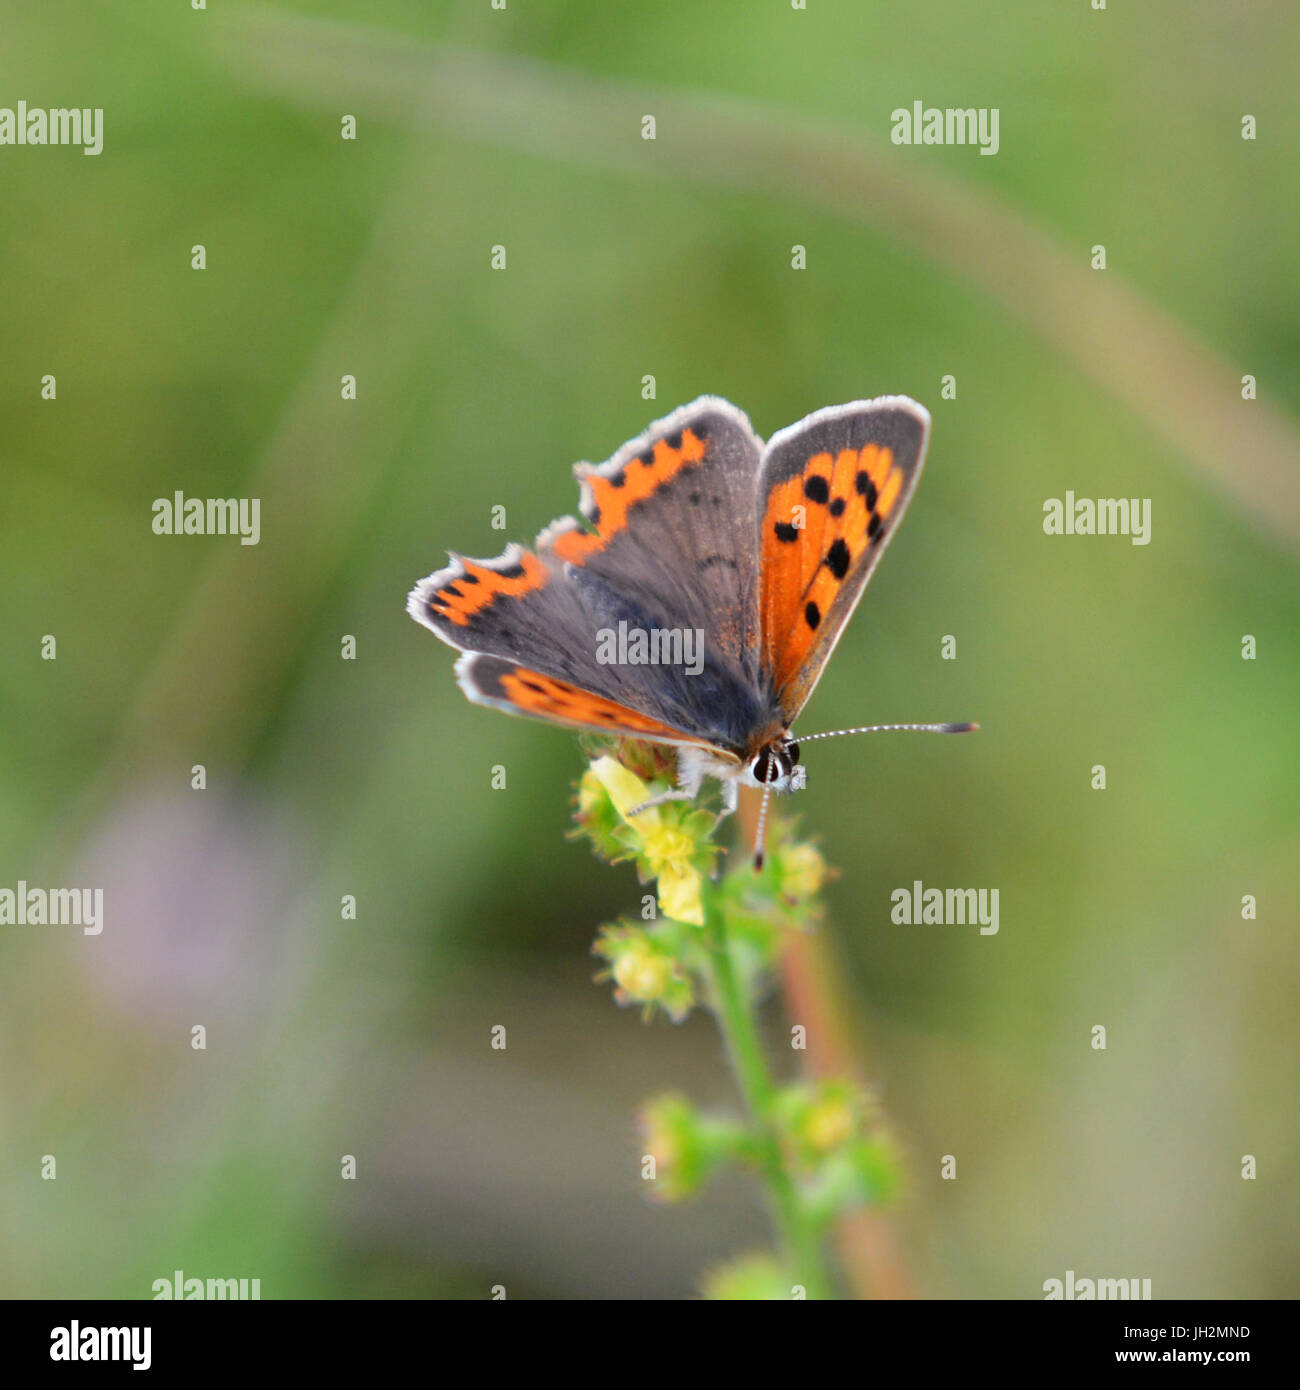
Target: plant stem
[{"x": 735, "y": 1014}]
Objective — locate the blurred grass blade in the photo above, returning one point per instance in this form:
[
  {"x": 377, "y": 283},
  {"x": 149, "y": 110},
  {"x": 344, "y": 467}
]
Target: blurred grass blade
[{"x": 1126, "y": 344}]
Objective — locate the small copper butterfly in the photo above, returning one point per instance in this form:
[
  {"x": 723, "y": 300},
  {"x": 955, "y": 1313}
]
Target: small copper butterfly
[{"x": 695, "y": 541}]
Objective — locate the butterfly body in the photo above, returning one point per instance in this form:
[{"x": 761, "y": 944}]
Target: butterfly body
[{"x": 696, "y": 537}]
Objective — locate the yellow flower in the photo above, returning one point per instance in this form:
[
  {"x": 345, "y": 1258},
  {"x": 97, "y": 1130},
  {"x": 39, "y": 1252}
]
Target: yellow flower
[
  {"x": 751, "y": 1278},
  {"x": 662, "y": 1141},
  {"x": 666, "y": 849},
  {"x": 803, "y": 871},
  {"x": 829, "y": 1123},
  {"x": 679, "y": 896},
  {"x": 645, "y": 969},
  {"x": 643, "y": 973},
  {"x": 589, "y": 796},
  {"x": 625, "y": 789}
]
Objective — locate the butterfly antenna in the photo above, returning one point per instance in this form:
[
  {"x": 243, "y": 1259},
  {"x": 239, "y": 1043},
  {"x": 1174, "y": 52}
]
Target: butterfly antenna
[
  {"x": 893, "y": 729},
  {"x": 762, "y": 817}
]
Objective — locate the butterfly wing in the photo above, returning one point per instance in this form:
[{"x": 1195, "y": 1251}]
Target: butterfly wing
[
  {"x": 672, "y": 524},
  {"x": 505, "y": 685},
  {"x": 834, "y": 488},
  {"x": 529, "y": 643},
  {"x": 670, "y": 548}
]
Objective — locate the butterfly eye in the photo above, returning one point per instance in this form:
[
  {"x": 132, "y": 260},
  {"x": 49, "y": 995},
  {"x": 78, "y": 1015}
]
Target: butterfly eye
[
  {"x": 775, "y": 763},
  {"x": 762, "y": 768}
]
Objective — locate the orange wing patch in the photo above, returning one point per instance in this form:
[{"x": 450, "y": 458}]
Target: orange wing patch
[
  {"x": 472, "y": 585},
  {"x": 550, "y": 698},
  {"x": 817, "y": 528},
  {"x": 611, "y": 496},
  {"x": 496, "y": 681}
]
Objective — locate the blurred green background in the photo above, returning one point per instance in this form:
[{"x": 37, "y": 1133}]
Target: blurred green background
[{"x": 478, "y": 388}]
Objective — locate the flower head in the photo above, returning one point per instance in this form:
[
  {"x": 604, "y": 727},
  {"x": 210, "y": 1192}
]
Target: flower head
[
  {"x": 670, "y": 843},
  {"x": 752, "y": 1278},
  {"x": 646, "y": 969},
  {"x": 686, "y": 1147}
]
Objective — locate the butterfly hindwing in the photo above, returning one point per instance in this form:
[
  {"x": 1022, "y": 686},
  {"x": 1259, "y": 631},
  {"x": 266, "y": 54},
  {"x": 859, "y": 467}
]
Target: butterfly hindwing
[
  {"x": 832, "y": 490},
  {"x": 505, "y": 685}
]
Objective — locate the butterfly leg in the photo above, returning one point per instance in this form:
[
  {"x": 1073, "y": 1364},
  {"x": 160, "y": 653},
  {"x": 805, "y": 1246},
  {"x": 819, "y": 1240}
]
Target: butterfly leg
[
  {"x": 691, "y": 772},
  {"x": 676, "y": 795},
  {"x": 689, "y": 780},
  {"x": 730, "y": 799}
]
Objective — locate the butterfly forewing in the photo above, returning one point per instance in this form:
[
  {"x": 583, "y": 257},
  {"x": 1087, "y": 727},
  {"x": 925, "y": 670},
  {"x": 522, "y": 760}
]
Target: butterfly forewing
[
  {"x": 671, "y": 520},
  {"x": 667, "y": 549},
  {"x": 833, "y": 488}
]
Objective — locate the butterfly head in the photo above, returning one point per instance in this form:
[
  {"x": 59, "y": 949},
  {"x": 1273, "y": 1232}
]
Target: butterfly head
[{"x": 774, "y": 766}]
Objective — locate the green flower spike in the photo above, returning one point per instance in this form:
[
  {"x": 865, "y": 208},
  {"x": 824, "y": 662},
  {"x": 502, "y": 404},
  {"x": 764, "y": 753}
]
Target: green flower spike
[{"x": 818, "y": 1148}]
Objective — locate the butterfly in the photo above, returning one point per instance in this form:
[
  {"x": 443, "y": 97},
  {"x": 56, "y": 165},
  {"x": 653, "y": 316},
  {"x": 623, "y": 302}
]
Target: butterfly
[{"x": 698, "y": 597}]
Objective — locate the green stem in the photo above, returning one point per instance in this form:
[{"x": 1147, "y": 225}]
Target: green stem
[{"x": 735, "y": 1014}]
